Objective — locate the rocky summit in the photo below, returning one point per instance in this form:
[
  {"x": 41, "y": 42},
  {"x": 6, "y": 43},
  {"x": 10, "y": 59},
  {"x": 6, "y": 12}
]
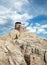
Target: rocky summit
[{"x": 22, "y": 48}]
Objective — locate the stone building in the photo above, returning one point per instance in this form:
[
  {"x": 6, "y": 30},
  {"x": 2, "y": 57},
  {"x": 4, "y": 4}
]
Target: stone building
[{"x": 19, "y": 27}]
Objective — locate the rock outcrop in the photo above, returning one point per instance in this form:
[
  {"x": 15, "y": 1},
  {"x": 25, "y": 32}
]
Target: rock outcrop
[
  {"x": 22, "y": 49},
  {"x": 10, "y": 54}
]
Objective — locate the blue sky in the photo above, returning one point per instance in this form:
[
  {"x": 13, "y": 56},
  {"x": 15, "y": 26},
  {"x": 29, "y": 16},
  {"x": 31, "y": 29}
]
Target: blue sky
[{"x": 31, "y": 13}]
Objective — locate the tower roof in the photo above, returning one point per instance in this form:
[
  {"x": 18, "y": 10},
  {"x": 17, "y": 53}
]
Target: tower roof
[{"x": 18, "y": 23}]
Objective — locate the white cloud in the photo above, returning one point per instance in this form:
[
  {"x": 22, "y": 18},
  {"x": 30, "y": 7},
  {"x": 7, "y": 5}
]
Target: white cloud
[
  {"x": 41, "y": 31},
  {"x": 31, "y": 29},
  {"x": 40, "y": 28},
  {"x": 4, "y": 10},
  {"x": 6, "y": 13},
  {"x": 18, "y": 4},
  {"x": 2, "y": 22},
  {"x": 37, "y": 24},
  {"x": 10, "y": 13},
  {"x": 18, "y": 17},
  {"x": 44, "y": 26},
  {"x": 3, "y": 14}
]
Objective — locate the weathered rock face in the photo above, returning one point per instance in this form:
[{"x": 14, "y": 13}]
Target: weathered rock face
[
  {"x": 22, "y": 49},
  {"x": 32, "y": 44},
  {"x": 35, "y": 60},
  {"x": 10, "y": 54}
]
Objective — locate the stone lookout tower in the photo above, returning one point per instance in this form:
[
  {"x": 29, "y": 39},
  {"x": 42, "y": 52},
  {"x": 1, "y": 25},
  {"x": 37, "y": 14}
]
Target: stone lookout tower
[{"x": 19, "y": 27}]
